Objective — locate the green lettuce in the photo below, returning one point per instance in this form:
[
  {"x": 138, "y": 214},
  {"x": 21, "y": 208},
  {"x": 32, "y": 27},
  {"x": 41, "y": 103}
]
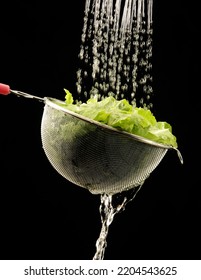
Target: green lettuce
[{"x": 121, "y": 115}]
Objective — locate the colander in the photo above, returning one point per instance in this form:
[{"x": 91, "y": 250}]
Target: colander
[{"x": 92, "y": 155}]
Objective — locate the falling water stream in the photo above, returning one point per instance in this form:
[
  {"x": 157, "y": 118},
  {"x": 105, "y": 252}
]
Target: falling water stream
[
  {"x": 116, "y": 51},
  {"x": 115, "y": 60},
  {"x": 111, "y": 205}
]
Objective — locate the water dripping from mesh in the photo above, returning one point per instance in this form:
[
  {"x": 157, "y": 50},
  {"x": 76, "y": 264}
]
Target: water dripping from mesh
[{"x": 111, "y": 205}]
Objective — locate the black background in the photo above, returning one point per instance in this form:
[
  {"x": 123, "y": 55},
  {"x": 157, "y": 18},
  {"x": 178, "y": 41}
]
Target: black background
[{"x": 42, "y": 215}]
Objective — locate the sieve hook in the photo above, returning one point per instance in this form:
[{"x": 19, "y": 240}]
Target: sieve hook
[{"x": 5, "y": 90}]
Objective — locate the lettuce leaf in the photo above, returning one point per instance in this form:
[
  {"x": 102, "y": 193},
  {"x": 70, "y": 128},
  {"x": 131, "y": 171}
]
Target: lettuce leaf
[{"x": 123, "y": 116}]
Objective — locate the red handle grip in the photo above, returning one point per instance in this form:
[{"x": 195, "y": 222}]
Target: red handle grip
[{"x": 4, "y": 89}]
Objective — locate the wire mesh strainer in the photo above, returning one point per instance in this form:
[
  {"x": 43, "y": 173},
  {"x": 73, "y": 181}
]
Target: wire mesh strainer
[
  {"x": 93, "y": 155},
  {"x": 96, "y": 156}
]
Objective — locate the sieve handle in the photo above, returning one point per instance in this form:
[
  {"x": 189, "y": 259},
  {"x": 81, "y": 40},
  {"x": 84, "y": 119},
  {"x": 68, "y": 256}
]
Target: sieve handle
[{"x": 5, "y": 90}]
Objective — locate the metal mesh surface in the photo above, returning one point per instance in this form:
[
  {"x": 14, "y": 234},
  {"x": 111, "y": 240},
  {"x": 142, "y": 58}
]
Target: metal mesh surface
[{"x": 95, "y": 156}]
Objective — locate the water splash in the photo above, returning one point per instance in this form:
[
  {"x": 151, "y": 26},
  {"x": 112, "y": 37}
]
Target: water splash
[
  {"x": 116, "y": 51},
  {"x": 111, "y": 205}
]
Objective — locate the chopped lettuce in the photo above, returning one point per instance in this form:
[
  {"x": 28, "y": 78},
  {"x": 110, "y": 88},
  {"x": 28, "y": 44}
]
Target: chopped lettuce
[{"x": 123, "y": 116}]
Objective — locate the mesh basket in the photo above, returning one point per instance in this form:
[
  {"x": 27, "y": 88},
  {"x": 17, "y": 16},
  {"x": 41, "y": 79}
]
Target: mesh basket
[{"x": 96, "y": 156}]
